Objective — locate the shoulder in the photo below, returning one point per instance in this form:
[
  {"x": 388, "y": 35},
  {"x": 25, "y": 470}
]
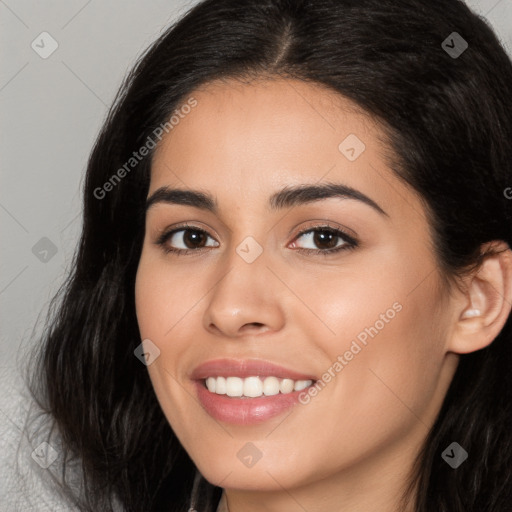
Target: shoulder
[{"x": 29, "y": 464}]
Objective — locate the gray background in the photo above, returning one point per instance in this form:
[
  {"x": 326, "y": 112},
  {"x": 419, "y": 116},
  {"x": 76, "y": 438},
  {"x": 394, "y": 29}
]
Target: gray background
[{"x": 51, "y": 111}]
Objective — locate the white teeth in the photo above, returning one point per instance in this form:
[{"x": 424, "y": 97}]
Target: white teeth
[
  {"x": 220, "y": 385},
  {"x": 301, "y": 384},
  {"x": 210, "y": 384},
  {"x": 234, "y": 386},
  {"x": 271, "y": 386},
  {"x": 254, "y": 386},
  {"x": 286, "y": 386}
]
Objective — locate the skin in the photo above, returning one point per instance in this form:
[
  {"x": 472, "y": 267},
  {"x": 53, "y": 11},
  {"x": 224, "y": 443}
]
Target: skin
[{"x": 352, "y": 446}]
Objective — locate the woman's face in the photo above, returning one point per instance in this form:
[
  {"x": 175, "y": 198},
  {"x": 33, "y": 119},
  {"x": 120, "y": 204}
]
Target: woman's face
[{"x": 368, "y": 324}]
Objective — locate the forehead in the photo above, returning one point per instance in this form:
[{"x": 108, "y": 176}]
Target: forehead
[
  {"x": 266, "y": 120},
  {"x": 267, "y": 134}
]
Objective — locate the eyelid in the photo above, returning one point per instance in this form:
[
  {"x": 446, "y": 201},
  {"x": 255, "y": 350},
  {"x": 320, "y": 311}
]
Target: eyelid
[
  {"x": 195, "y": 225},
  {"x": 166, "y": 233},
  {"x": 349, "y": 242},
  {"x": 324, "y": 223}
]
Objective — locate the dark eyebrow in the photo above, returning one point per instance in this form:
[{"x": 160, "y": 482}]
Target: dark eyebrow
[
  {"x": 302, "y": 194},
  {"x": 287, "y": 197},
  {"x": 196, "y": 198}
]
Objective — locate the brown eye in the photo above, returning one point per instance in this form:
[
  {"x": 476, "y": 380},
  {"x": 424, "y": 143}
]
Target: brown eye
[
  {"x": 325, "y": 240},
  {"x": 193, "y": 238},
  {"x": 184, "y": 239}
]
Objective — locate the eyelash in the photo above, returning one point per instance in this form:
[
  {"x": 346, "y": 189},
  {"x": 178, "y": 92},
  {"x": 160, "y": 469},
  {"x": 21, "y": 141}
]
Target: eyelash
[{"x": 350, "y": 242}]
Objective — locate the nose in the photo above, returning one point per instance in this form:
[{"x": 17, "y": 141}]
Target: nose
[{"x": 245, "y": 300}]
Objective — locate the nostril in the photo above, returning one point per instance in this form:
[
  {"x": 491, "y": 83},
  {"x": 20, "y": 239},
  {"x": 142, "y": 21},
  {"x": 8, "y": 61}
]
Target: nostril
[{"x": 255, "y": 325}]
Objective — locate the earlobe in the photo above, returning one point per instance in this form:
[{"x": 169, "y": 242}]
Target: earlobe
[{"x": 487, "y": 302}]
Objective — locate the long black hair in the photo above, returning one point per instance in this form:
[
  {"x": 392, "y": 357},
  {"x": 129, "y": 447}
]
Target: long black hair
[{"x": 444, "y": 102}]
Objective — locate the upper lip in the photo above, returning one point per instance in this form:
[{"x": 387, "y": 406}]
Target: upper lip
[{"x": 246, "y": 368}]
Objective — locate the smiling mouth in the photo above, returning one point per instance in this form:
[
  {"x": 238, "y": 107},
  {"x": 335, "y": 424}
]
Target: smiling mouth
[{"x": 253, "y": 386}]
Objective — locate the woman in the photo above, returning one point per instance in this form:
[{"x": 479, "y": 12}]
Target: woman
[{"x": 261, "y": 369}]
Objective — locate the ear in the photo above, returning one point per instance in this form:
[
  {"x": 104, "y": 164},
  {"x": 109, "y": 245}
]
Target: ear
[{"x": 484, "y": 307}]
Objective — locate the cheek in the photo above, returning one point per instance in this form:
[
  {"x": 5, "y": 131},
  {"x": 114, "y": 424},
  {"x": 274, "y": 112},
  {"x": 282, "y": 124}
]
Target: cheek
[
  {"x": 159, "y": 309},
  {"x": 162, "y": 297},
  {"x": 381, "y": 334}
]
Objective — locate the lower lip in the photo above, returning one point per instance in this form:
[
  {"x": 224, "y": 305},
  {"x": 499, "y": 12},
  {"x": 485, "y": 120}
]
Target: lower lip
[{"x": 245, "y": 411}]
